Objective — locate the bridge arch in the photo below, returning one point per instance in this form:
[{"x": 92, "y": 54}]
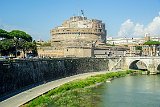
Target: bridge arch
[{"x": 138, "y": 65}]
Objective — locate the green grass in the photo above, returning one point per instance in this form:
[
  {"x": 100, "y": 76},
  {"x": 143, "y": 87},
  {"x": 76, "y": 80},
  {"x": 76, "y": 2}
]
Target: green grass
[
  {"x": 67, "y": 92},
  {"x": 83, "y": 97}
]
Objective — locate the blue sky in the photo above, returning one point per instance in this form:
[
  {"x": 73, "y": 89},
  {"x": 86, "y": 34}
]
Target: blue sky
[{"x": 38, "y": 17}]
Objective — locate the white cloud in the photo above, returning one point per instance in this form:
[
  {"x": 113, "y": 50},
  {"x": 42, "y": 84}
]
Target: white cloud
[
  {"x": 154, "y": 27},
  {"x": 138, "y": 30},
  {"x": 126, "y": 28},
  {"x": 131, "y": 29}
]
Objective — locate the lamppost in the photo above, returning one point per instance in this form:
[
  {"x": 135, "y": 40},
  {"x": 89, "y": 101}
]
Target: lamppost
[
  {"x": 21, "y": 44},
  {"x": 16, "y": 41}
]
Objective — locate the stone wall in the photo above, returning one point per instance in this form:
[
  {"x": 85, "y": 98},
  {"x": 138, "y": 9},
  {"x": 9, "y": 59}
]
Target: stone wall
[{"x": 16, "y": 75}]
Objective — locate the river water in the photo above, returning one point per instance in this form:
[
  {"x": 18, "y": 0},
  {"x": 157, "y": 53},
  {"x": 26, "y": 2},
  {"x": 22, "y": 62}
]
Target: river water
[{"x": 131, "y": 91}]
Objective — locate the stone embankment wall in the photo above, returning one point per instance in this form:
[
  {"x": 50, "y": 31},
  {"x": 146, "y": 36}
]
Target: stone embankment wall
[{"x": 15, "y": 75}]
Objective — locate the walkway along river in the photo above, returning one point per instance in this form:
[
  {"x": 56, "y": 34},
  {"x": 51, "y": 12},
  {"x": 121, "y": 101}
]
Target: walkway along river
[
  {"x": 131, "y": 91},
  {"x": 30, "y": 94}
]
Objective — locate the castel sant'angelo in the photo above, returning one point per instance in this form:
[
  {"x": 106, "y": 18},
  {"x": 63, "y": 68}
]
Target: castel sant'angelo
[
  {"x": 78, "y": 31},
  {"x": 76, "y": 37}
]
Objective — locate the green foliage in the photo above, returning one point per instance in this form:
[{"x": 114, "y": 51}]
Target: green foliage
[
  {"x": 70, "y": 99},
  {"x": 4, "y": 34},
  {"x": 138, "y": 47},
  {"x": 76, "y": 98},
  {"x": 126, "y": 45},
  {"x": 38, "y": 101},
  {"x": 45, "y": 44},
  {"x": 130, "y": 71},
  {"x": 15, "y": 33},
  {"x": 20, "y": 34},
  {"x": 110, "y": 44},
  {"x": 16, "y": 40},
  {"x": 152, "y": 43},
  {"x": 6, "y": 46},
  {"x": 34, "y": 48}
]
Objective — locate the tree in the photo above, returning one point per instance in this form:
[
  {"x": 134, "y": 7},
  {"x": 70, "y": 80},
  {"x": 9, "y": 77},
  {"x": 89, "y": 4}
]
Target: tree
[
  {"x": 20, "y": 34},
  {"x": 26, "y": 46},
  {"x": 152, "y": 43},
  {"x": 6, "y": 46},
  {"x": 138, "y": 48},
  {"x": 29, "y": 46},
  {"x": 4, "y": 34},
  {"x": 44, "y": 44},
  {"x": 16, "y": 40},
  {"x": 34, "y": 48}
]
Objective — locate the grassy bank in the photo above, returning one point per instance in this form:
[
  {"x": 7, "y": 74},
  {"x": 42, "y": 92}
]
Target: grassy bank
[{"x": 74, "y": 94}]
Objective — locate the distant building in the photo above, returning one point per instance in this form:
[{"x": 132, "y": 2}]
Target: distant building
[
  {"x": 125, "y": 41},
  {"x": 78, "y": 31},
  {"x": 75, "y": 38},
  {"x": 83, "y": 37},
  {"x": 109, "y": 51},
  {"x": 78, "y": 52},
  {"x": 48, "y": 52},
  {"x": 133, "y": 51},
  {"x": 152, "y": 50}
]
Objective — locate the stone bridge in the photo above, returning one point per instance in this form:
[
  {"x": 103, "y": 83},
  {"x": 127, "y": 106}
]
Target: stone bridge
[{"x": 150, "y": 63}]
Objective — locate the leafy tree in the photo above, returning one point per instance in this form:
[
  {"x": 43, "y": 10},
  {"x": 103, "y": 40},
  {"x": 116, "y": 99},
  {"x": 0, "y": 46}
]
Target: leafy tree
[
  {"x": 126, "y": 45},
  {"x": 34, "y": 48},
  {"x": 6, "y": 46},
  {"x": 107, "y": 44},
  {"x": 20, "y": 34},
  {"x": 16, "y": 40},
  {"x": 44, "y": 44},
  {"x": 29, "y": 46},
  {"x": 4, "y": 34},
  {"x": 152, "y": 43},
  {"x": 138, "y": 47}
]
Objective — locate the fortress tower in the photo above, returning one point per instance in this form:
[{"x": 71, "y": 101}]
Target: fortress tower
[{"x": 78, "y": 31}]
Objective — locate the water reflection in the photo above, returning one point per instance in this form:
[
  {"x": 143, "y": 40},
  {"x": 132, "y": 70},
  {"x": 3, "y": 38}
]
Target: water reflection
[{"x": 132, "y": 91}]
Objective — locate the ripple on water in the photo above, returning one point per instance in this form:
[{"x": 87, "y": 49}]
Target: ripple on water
[{"x": 131, "y": 91}]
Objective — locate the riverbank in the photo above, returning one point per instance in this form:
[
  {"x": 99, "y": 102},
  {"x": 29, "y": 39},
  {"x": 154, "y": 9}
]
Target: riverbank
[
  {"x": 64, "y": 92},
  {"x": 28, "y": 95}
]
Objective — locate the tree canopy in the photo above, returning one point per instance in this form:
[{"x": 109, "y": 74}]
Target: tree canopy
[
  {"x": 16, "y": 40},
  {"x": 15, "y": 33},
  {"x": 20, "y": 34},
  {"x": 152, "y": 43},
  {"x": 6, "y": 46},
  {"x": 138, "y": 48},
  {"x": 4, "y": 34},
  {"x": 44, "y": 44}
]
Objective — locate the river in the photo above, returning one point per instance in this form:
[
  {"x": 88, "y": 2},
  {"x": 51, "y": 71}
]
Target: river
[{"x": 131, "y": 91}]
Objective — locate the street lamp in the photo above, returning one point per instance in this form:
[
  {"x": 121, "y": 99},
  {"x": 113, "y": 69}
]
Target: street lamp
[
  {"x": 21, "y": 45},
  {"x": 16, "y": 41}
]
